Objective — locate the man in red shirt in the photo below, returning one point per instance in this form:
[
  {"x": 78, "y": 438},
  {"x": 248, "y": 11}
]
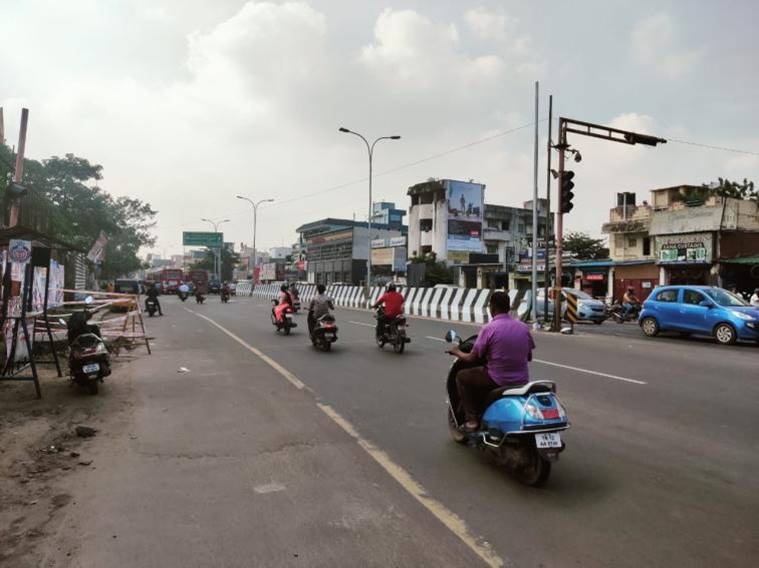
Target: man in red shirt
[{"x": 393, "y": 301}]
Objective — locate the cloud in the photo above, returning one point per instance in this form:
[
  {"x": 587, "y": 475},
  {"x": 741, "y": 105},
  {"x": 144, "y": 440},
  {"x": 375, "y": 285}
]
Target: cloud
[{"x": 654, "y": 44}]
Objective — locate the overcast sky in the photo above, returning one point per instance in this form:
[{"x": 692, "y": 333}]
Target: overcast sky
[{"x": 187, "y": 102}]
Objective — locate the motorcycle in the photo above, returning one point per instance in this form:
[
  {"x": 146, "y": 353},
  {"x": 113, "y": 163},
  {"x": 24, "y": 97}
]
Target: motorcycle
[
  {"x": 324, "y": 333},
  {"x": 182, "y": 295},
  {"x": 520, "y": 426},
  {"x": 393, "y": 332},
  {"x": 151, "y": 306},
  {"x": 287, "y": 323},
  {"x": 617, "y": 313},
  {"x": 89, "y": 361},
  {"x": 199, "y": 298},
  {"x": 224, "y": 296}
]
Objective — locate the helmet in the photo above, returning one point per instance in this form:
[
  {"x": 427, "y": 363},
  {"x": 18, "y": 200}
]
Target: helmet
[
  {"x": 391, "y": 287},
  {"x": 283, "y": 287}
]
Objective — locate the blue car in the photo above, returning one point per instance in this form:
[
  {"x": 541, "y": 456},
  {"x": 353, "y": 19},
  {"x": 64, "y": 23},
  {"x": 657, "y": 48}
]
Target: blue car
[{"x": 701, "y": 310}]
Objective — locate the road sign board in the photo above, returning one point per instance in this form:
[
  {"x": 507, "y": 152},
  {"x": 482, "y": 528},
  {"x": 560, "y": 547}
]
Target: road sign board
[{"x": 202, "y": 239}]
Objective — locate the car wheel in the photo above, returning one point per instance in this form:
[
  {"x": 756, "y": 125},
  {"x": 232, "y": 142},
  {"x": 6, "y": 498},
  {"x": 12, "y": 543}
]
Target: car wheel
[
  {"x": 725, "y": 334},
  {"x": 650, "y": 326},
  {"x": 598, "y": 322}
]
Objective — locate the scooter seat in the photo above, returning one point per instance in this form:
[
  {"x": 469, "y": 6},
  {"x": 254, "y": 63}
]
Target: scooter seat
[{"x": 531, "y": 387}]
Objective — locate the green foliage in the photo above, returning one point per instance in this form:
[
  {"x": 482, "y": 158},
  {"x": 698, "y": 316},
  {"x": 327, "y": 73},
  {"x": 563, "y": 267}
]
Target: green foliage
[
  {"x": 727, "y": 188},
  {"x": 229, "y": 260},
  {"x": 434, "y": 272},
  {"x": 583, "y": 246},
  {"x": 65, "y": 201}
]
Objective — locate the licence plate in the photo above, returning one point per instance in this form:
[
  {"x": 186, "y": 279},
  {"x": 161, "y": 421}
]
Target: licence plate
[
  {"x": 548, "y": 440},
  {"x": 91, "y": 368},
  {"x": 329, "y": 336}
]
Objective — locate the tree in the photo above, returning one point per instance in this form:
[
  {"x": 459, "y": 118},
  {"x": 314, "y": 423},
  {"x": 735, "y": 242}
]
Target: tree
[
  {"x": 75, "y": 209},
  {"x": 727, "y": 188},
  {"x": 229, "y": 260},
  {"x": 434, "y": 272},
  {"x": 583, "y": 246}
]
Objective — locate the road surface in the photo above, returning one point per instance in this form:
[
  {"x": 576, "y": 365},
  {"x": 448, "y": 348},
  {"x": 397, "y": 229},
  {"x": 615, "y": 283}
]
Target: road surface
[{"x": 268, "y": 453}]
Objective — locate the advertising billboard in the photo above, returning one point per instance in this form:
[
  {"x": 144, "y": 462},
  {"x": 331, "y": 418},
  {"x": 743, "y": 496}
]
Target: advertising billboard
[{"x": 465, "y": 212}]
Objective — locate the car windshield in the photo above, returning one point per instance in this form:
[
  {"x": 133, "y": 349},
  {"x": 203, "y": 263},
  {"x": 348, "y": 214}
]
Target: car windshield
[
  {"x": 725, "y": 298},
  {"x": 580, "y": 294}
]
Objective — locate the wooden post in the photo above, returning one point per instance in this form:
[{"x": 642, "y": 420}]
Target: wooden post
[{"x": 19, "y": 171}]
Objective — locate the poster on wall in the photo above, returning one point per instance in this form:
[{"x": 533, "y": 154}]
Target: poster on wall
[
  {"x": 57, "y": 273},
  {"x": 694, "y": 248},
  {"x": 465, "y": 212}
]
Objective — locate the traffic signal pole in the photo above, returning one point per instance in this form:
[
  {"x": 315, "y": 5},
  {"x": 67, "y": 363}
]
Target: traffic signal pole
[{"x": 561, "y": 147}]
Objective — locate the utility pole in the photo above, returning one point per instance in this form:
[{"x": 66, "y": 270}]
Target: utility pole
[
  {"x": 558, "y": 282},
  {"x": 215, "y": 224},
  {"x": 549, "y": 225},
  {"x": 19, "y": 169},
  {"x": 535, "y": 215}
]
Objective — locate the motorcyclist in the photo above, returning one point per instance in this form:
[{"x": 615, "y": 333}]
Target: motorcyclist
[
  {"x": 152, "y": 294},
  {"x": 629, "y": 302},
  {"x": 393, "y": 302},
  {"x": 284, "y": 302},
  {"x": 183, "y": 290},
  {"x": 294, "y": 291},
  {"x": 224, "y": 293},
  {"x": 754, "y": 301},
  {"x": 320, "y": 305},
  {"x": 504, "y": 346}
]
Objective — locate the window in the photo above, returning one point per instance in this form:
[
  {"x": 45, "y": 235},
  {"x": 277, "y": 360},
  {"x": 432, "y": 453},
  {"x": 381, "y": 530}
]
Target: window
[
  {"x": 646, "y": 246},
  {"x": 425, "y": 225},
  {"x": 506, "y": 225},
  {"x": 492, "y": 249},
  {"x": 632, "y": 242},
  {"x": 693, "y": 297},
  {"x": 667, "y": 295},
  {"x": 725, "y": 298}
]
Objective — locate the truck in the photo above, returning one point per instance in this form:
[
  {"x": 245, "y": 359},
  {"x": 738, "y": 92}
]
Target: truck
[{"x": 199, "y": 279}]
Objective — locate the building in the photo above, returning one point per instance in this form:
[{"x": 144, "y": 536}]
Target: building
[
  {"x": 280, "y": 252},
  {"x": 336, "y": 250},
  {"x": 385, "y": 213},
  {"x": 687, "y": 234},
  {"x": 389, "y": 257},
  {"x": 482, "y": 241}
]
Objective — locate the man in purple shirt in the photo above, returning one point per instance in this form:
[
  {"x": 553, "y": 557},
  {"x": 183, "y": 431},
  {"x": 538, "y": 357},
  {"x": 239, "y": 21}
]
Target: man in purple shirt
[{"x": 504, "y": 346}]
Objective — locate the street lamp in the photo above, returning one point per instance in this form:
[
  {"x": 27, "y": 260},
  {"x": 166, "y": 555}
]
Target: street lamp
[
  {"x": 370, "y": 149},
  {"x": 255, "y": 205},
  {"x": 215, "y": 225}
]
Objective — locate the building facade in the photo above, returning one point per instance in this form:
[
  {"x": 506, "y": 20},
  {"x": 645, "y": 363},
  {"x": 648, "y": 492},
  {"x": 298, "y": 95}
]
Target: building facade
[{"x": 385, "y": 213}]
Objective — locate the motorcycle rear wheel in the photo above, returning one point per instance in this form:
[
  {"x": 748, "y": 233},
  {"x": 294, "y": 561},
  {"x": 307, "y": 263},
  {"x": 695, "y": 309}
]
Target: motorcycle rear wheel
[
  {"x": 535, "y": 470},
  {"x": 400, "y": 344}
]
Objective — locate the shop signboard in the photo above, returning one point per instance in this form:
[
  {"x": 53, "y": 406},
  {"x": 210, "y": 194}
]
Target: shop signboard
[
  {"x": 382, "y": 256},
  {"x": 465, "y": 214},
  {"x": 693, "y": 248},
  {"x": 527, "y": 267}
]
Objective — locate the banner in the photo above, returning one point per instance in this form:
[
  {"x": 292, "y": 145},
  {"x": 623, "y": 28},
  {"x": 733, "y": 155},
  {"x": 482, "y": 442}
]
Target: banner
[
  {"x": 97, "y": 252},
  {"x": 465, "y": 213}
]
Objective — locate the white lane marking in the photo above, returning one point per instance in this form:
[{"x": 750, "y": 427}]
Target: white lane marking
[
  {"x": 434, "y": 338},
  {"x": 451, "y": 521},
  {"x": 589, "y": 372},
  {"x": 362, "y": 323},
  {"x": 269, "y": 488},
  {"x": 296, "y": 382}
]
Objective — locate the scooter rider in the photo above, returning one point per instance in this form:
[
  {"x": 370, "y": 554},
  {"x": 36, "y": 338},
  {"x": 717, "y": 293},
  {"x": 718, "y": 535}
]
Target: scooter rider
[
  {"x": 284, "y": 302},
  {"x": 152, "y": 294},
  {"x": 504, "y": 346},
  {"x": 629, "y": 301},
  {"x": 183, "y": 290},
  {"x": 320, "y": 305},
  {"x": 393, "y": 301}
]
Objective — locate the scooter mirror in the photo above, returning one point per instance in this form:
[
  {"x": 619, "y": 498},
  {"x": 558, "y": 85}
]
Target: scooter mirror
[
  {"x": 450, "y": 337},
  {"x": 62, "y": 321},
  {"x": 88, "y": 300}
]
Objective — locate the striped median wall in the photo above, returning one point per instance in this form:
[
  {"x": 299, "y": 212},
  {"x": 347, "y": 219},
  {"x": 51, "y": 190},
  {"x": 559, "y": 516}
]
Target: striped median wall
[{"x": 445, "y": 303}]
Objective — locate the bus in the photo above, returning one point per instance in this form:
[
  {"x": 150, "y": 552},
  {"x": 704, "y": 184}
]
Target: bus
[{"x": 169, "y": 279}]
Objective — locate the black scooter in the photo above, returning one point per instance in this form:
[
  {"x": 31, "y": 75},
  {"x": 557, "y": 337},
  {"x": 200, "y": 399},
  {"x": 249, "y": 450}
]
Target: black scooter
[
  {"x": 287, "y": 323},
  {"x": 324, "y": 332},
  {"x": 151, "y": 306},
  {"x": 89, "y": 360},
  {"x": 393, "y": 332}
]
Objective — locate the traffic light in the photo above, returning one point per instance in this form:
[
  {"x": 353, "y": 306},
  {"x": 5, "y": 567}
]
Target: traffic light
[
  {"x": 15, "y": 190},
  {"x": 565, "y": 191}
]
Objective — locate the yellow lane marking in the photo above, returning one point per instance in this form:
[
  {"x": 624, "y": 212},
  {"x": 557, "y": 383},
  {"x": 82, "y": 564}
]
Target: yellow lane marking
[{"x": 452, "y": 522}]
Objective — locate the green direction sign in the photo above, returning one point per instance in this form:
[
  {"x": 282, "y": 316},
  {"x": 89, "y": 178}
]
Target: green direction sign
[{"x": 201, "y": 239}]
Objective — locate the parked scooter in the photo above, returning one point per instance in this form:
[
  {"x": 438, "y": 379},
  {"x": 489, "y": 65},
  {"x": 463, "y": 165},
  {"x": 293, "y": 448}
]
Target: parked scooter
[
  {"x": 287, "y": 323},
  {"x": 324, "y": 333},
  {"x": 617, "y": 313},
  {"x": 151, "y": 306},
  {"x": 520, "y": 426},
  {"x": 89, "y": 361},
  {"x": 393, "y": 332}
]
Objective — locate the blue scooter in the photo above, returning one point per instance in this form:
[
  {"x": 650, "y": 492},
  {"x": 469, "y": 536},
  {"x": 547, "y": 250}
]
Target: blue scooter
[{"x": 520, "y": 426}]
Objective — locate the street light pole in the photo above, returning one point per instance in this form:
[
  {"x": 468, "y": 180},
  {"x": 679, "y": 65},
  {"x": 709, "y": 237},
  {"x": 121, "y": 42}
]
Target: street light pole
[
  {"x": 255, "y": 205},
  {"x": 370, "y": 150},
  {"x": 217, "y": 264}
]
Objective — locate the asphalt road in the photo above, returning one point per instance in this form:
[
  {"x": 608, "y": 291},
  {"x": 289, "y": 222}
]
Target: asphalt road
[{"x": 659, "y": 470}]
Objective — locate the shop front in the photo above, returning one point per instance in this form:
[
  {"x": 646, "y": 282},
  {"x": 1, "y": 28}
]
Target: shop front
[
  {"x": 641, "y": 276},
  {"x": 686, "y": 258}
]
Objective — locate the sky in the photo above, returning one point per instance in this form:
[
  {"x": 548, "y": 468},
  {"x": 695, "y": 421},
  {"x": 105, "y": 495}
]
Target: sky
[{"x": 186, "y": 103}]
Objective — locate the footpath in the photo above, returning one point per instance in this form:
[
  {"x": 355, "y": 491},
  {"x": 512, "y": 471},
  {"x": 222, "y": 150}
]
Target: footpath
[{"x": 223, "y": 462}]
